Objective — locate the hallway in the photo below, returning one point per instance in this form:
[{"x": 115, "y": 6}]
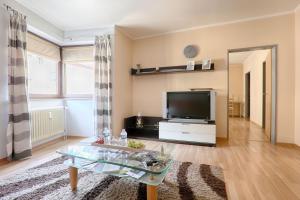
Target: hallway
[{"x": 242, "y": 130}]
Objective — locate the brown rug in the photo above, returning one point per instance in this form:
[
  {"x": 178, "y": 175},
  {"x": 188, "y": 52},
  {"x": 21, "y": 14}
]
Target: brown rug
[{"x": 50, "y": 181}]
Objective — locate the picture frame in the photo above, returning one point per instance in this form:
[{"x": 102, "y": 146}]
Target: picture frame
[
  {"x": 190, "y": 65},
  {"x": 206, "y": 64}
]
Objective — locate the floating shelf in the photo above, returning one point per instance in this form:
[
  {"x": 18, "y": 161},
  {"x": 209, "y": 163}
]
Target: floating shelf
[{"x": 171, "y": 69}]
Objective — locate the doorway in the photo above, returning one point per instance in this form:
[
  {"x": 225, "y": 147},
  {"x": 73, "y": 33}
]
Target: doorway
[
  {"x": 247, "y": 95},
  {"x": 252, "y": 94}
]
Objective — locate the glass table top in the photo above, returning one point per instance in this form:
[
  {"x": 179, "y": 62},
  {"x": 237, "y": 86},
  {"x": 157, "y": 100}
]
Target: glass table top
[{"x": 153, "y": 162}]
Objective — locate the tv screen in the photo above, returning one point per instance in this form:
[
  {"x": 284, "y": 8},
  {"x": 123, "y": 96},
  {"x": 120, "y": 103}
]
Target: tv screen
[{"x": 189, "y": 105}]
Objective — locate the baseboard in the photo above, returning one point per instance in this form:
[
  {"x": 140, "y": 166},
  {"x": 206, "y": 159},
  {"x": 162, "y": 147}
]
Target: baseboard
[
  {"x": 61, "y": 138},
  {"x": 43, "y": 141},
  {"x": 79, "y": 135},
  {"x": 256, "y": 124},
  {"x": 290, "y": 145},
  {"x": 45, "y": 144},
  {"x": 3, "y": 161}
]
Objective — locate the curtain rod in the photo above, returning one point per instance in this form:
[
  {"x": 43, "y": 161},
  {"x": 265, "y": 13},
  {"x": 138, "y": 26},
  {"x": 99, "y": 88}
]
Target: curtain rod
[{"x": 9, "y": 8}]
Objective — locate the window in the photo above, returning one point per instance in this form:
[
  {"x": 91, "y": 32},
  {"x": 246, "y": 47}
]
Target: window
[
  {"x": 79, "y": 79},
  {"x": 42, "y": 76}
]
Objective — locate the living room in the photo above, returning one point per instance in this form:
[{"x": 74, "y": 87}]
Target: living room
[{"x": 149, "y": 53}]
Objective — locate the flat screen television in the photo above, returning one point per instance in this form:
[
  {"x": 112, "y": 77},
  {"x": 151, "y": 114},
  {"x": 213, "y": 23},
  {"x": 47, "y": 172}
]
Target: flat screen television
[{"x": 190, "y": 105}]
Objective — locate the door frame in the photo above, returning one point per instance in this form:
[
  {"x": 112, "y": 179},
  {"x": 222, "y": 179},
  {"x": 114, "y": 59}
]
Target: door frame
[
  {"x": 264, "y": 98},
  {"x": 274, "y": 58}
]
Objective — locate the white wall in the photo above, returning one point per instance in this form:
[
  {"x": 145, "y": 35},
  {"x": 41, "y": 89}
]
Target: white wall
[
  {"x": 45, "y": 103},
  {"x": 36, "y": 23},
  {"x": 253, "y": 64},
  {"x": 3, "y": 81},
  {"x": 80, "y": 117},
  {"x": 297, "y": 75},
  {"x": 236, "y": 89},
  {"x": 77, "y": 37}
]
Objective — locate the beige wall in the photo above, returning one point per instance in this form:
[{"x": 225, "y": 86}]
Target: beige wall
[
  {"x": 297, "y": 77},
  {"x": 254, "y": 64},
  {"x": 122, "y": 80},
  {"x": 214, "y": 42},
  {"x": 236, "y": 84}
]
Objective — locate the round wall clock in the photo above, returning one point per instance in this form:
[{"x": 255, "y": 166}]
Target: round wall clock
[{"x": 190, "y": 51}]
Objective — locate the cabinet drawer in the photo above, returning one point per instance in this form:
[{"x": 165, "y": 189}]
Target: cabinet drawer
[
  {"x": 185, "y": 127},
  {"x": 188, "y": 136}
]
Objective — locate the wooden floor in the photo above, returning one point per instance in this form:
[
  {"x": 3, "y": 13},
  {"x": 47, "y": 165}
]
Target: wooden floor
[
  {"x": 244, "y": 130},
  {"x": 253, "y": 169},
  {"x": 39, "y": 155}
]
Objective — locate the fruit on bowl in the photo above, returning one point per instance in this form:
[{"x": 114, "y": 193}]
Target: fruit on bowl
[
  {"x": 100, "y": 140},
  {"x": 135, "y": 144}
]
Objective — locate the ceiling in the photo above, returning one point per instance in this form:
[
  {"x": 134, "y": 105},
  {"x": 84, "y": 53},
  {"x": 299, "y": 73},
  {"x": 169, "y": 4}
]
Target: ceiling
[{"x": 142, "y": 18}]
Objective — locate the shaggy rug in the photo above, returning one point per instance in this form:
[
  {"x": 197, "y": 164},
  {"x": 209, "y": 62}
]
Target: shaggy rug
[{"x": 50, "y": 180}]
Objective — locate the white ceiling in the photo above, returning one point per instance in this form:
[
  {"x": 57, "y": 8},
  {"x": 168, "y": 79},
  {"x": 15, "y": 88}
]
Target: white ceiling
[{"x": 142, "y": 18}]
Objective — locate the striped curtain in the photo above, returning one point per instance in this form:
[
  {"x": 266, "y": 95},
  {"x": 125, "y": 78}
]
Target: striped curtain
[
  {"x": 18, "y": 130},
  {"x": 103, "y": 85}
]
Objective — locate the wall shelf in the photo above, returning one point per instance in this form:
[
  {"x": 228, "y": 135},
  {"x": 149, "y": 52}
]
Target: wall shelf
[{"x": 168, "y": 70}]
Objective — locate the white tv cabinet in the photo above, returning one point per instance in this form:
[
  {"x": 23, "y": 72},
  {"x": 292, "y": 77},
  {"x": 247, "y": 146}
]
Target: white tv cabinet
[{"x": 201, "y": 133}]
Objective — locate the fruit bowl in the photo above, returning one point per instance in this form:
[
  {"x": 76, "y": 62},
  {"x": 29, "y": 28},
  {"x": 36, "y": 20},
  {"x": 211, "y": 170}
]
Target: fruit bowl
[{"x": 135, "y": 144}]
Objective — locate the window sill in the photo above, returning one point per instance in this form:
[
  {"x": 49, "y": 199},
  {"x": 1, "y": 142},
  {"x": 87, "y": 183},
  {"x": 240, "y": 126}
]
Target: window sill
[
  {"x": 79, "y": 98},
  {"x": 62, "y": 98},
  {"x": 44, "y": 98}
]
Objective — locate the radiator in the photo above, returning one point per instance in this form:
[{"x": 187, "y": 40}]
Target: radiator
[{"x": 47, "y": 123}]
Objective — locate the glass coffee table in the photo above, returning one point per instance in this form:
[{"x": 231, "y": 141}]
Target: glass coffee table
[{"x": 144, "y": 166}]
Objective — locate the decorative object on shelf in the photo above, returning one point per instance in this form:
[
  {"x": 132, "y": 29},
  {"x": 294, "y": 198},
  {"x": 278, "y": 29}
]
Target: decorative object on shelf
[
  {"x": 149, "y": 129},
  {"x": 190, "y": 51},
  {"x": 190, "y": 65},
  {"x": 169, "y": 69},
  {"x": 206, "y": 64},
  {"x": 139, "y": 121},
  {"x": 138, "y": 67}
]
